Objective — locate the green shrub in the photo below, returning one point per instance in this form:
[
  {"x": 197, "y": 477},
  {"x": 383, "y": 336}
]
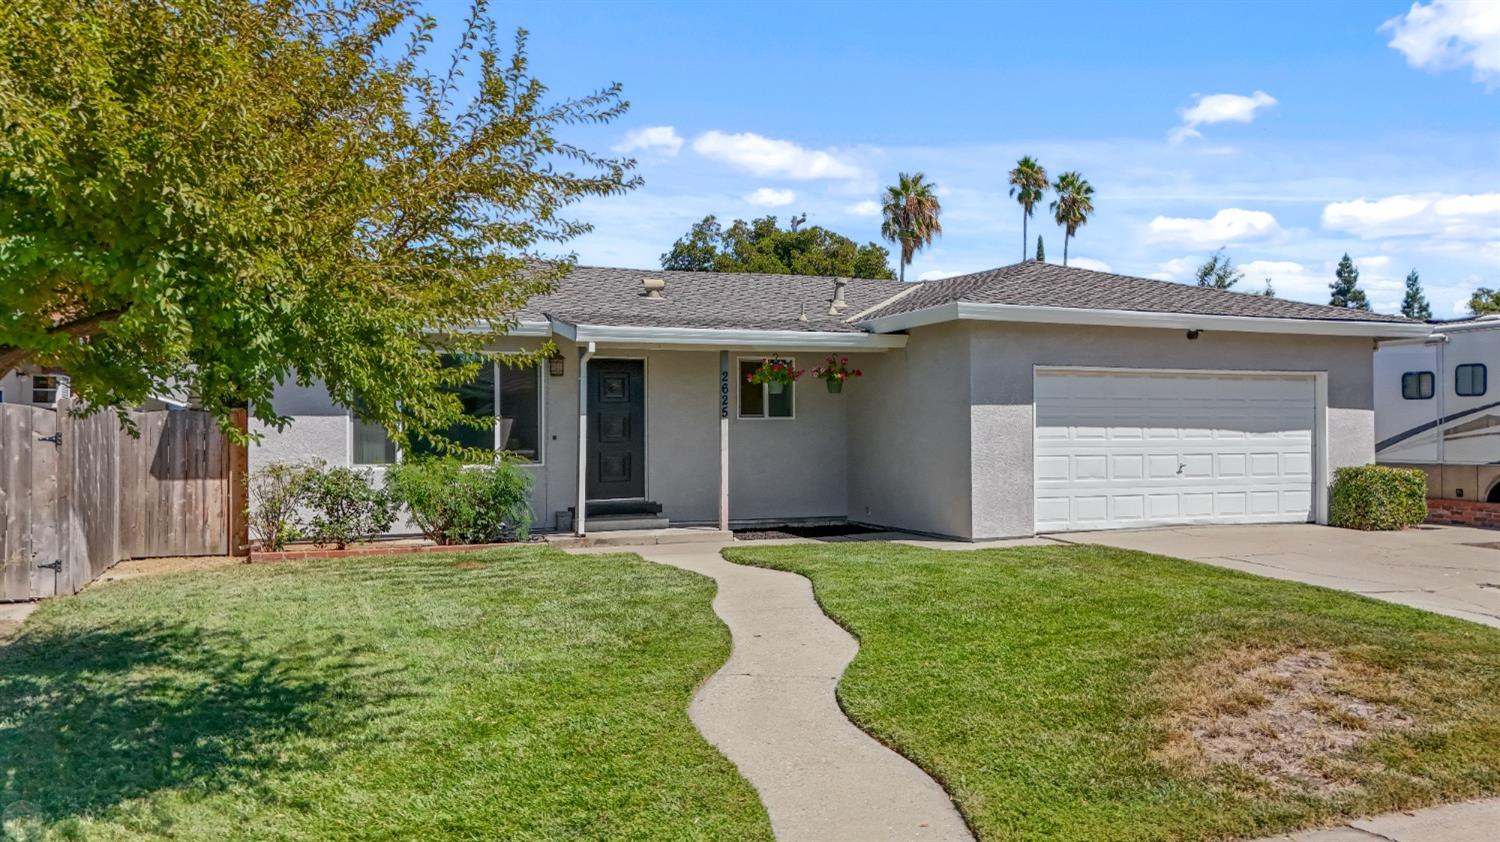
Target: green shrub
[
  {"x": 455, "y": 503},
  {"x": 346, "y": 507},
  {"x": 276, "y": 494},
  {"x": 1378, "y": 497}
]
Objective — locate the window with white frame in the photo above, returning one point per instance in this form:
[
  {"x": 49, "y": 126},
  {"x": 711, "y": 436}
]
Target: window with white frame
[
  {"x": 43, "y": 389},
  {"x": 765, "y": 400},
  {"x": 509, "y": 397}
]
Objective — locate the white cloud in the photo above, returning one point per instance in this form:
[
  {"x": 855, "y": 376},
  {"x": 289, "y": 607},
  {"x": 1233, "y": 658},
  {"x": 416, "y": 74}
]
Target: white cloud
[
  {"x": 1289, "y": 278},
  {"x": 1220, "y": 108},
  {"x": 938, "y": 275},
  {"x": 869, "y": 207},
  {"x": 1089, "y": 263},
  {"x": 1227, "y": 226},
  {"x": 770, "y": 158},
  {"x": 660, "y": 139},
  {"x": 1176, "y": 269},
  {"x": 768, "y": 197},
  {"x": 1426, "y": 214},
  {"x": 1448, "y": 34}
]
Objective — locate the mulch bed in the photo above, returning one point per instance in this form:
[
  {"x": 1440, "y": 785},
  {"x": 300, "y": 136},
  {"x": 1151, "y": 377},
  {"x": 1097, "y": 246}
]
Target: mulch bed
[{"x": 827, "y": 530}]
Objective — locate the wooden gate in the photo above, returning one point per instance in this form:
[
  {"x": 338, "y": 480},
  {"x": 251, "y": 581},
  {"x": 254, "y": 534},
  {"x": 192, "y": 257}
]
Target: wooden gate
[{"x": 78, "y": 495}]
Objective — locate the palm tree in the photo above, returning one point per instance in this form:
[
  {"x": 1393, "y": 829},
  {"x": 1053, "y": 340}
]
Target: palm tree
[
  {"x": 911, "y": 211},
  {"x": 1028, "y": 181},
  {"x": 1074, "y": 203}
]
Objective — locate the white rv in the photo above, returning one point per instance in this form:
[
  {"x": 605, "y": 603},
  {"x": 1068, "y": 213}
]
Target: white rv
[{"x": 1436, "y": 409}]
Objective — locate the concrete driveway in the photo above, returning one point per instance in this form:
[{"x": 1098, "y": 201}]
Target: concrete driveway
[{"x": 1451, "y": 570}]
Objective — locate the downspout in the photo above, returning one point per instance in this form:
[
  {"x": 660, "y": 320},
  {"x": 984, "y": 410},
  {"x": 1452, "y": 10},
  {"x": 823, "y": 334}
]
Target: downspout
[{"x": 585, "y": 353}]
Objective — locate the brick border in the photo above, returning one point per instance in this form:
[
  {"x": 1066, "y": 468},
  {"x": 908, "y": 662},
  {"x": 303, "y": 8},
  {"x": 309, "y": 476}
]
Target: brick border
[
  {"x": 1454, "y": 512},
  {"x": 359, "y": 552}
]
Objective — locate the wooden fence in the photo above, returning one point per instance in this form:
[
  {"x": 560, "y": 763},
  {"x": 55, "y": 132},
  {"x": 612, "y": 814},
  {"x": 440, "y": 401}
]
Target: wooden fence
[{"x": 78, "y": 495}]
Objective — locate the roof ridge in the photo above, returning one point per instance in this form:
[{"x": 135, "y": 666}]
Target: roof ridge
[{"x": 885, "y": 303}]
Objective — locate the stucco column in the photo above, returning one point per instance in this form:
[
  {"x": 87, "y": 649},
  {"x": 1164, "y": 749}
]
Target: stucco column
[
  {"x": 580, "y": 514},
  {"x": 724, "y": 382}
]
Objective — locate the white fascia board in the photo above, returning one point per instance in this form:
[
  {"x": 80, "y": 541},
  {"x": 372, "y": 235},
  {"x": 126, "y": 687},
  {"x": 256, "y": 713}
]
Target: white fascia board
[
  {"x": 716, "y": 338},
  {"x": 1131, "y": 318},
  {"x": 523, "y": 328}
]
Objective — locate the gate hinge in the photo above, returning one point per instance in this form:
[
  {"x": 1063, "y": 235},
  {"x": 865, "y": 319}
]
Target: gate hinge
[
  {"x": 54, "y": 566},
  {"x": 55, "y": 438}
]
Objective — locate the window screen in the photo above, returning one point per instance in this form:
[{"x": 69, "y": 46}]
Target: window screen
[
  {"x": 1416, "y": 385},
  {"x": 1471, "y": 380}
]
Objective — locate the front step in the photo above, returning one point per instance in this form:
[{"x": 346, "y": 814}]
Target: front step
[
  {"x": 614, "y": 522},
  {"x": 642, "y": 537}
]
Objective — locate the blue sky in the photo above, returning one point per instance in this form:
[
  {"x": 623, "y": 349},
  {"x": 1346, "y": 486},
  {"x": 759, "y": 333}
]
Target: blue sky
[{"x": 1289, "y": 133}]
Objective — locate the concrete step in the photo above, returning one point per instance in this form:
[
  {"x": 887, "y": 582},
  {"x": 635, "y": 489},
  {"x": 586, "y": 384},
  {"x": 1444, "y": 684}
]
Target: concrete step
[{"x": 641, "y": 537}]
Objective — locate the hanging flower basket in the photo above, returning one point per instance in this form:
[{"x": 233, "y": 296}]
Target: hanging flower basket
[
  {"x": 834, "y": 371},
  {"x": 775, "y": 375}
]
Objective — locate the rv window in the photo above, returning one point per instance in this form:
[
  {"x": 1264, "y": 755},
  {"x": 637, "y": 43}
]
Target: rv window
[
  {"x": 1471, "y": 380},
  {"x": 1416, "y": 385}
]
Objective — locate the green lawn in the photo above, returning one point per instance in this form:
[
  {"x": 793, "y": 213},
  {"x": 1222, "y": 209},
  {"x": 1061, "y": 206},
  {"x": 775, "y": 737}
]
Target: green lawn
[
  {"x": 515, "y": 695},
  {"x": 1047, "y": 688}
]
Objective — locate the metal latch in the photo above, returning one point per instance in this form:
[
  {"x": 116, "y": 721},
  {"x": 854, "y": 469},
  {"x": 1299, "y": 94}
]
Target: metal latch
[
  {"x": 55, "y": 566},
  {"x": 55, "y": 438}
]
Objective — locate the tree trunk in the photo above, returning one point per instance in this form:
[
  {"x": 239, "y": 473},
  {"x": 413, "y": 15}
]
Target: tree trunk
[
  {"x": 1066, "y": 237},
  {"x": 1023, "y": 236},
  {"x": 903, "y": 271}
]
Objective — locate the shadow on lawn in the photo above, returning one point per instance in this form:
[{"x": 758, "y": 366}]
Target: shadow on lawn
[{"x": 91, "y": 717}]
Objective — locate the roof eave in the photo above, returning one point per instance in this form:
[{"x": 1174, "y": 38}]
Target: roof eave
[
  {"x": 779, "y": 340},
  {"x": 964, "y": 310}
]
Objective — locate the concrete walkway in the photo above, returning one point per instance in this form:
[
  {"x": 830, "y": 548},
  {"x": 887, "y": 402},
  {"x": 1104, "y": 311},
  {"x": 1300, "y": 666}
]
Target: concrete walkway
[
  {"x": 1476, "y": 821},
  {"x": 771, "y": 710}
]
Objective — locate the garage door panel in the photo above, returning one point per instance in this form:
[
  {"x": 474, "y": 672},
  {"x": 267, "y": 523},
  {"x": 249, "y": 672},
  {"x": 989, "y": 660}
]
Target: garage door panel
[{"x": 1136, "y": 449}]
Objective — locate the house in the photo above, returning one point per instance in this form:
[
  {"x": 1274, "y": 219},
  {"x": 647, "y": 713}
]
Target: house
[
  {"x": 36, "y": 387},
  {"x": 1025, "y": 399},
  {"x": 1434, "y": 408}
]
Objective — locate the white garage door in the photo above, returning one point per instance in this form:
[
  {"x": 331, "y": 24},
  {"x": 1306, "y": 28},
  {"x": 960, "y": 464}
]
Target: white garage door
[{"x": 1125, "y": 449}]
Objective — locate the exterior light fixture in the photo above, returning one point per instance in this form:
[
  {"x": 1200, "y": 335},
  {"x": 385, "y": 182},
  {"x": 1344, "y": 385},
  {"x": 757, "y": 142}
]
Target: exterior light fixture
[{"x": 556, "y": 365}]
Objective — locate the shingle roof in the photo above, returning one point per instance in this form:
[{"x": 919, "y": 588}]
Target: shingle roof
[
  {"x": 1036, "y": 284},
  {"x": 592, "y": 295},
  {"x": 747, "y": 301}
]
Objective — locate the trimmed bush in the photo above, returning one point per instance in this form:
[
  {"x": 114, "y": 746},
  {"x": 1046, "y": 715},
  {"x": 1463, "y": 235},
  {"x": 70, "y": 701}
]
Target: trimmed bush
[
  {"x": 455, "y": 503},
  {"x": 346, "y": 507},
  {"x": 276, "y": 494},
  {"x": 1375, "y": 497}
]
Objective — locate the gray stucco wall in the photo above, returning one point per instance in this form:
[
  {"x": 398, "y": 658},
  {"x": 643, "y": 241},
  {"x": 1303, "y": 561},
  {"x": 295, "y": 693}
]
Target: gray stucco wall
[
  {"x": 1003, "y": 356},
  {"x": 909, "y": 463}
]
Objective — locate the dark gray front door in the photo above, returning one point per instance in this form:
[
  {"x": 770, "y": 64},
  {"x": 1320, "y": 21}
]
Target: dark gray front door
[{"x": 617, "y": 429}]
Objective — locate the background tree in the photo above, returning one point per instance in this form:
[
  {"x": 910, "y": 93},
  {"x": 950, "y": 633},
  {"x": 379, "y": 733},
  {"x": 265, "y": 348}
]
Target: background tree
[
  {"x": 761, "y": 246},
  {"x": 227, "y": 194},
  {"x": 1345, "y": 287},
  {"x": 910, "y": 215},
  {"x": 1072, "y": 207},
  {"x": 1041, "y": 251},
  {"x": 1484, "y": 301},
  {"x": 1219, "y": 272},
  {"x": 1414, "y": 305},
  {"x": 1028, "y": 185},
  {"x": 1269, "y": 291}
]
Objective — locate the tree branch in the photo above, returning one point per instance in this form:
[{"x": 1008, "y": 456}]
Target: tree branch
[{"x": 12, "y": 356}]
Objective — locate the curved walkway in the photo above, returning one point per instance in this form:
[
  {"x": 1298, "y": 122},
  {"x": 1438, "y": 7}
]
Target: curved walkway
[{"x": 771, "y": 710}]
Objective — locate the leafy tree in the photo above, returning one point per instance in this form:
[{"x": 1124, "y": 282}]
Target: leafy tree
[
  {"x": 1072, "y": 207},
  {"x": 761, "y": 246},
  {"x": 227, "y": 194},
  {"x": 1028, "y": 184},
  {"x": 1484, "y": 301},
  {"x": 1414, "y": 305},
  {"x": 1269, "y": 291},
  {"x": 1041, "y": 251},
  {"x": 1219, "y": 272},
  {"x": 1345, "y": 287},
  {"x": 910, "y": 213}
]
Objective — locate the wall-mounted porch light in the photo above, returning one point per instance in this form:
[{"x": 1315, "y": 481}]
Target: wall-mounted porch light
[{"x": 556, "y": 365}]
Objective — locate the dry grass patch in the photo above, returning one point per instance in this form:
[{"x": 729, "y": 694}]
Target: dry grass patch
[{"x": 1283, "y": 718}]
